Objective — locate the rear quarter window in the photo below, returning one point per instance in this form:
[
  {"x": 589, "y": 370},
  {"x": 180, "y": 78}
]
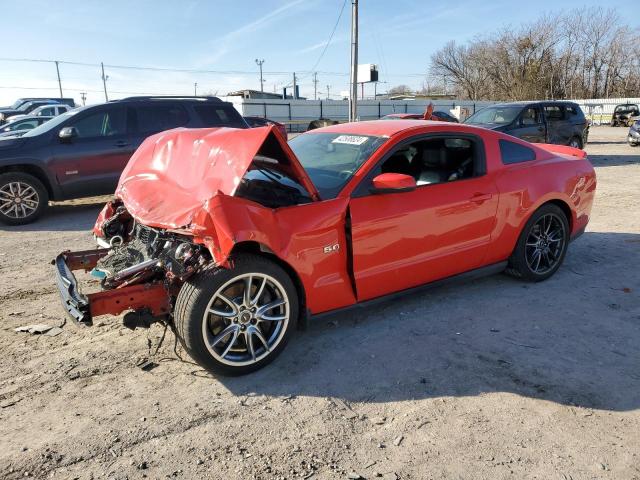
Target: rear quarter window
[
  {"x": 573, "y": 111},
  {"x": 512, "y": 152},
  {"x": 156, "y": 118},
  {"x": 219, "y": 116}
]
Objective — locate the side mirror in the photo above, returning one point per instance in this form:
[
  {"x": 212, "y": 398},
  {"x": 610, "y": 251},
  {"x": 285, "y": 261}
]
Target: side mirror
[
  {"x": 67, "y": 133},
  {"x": 393, "y": 183}
]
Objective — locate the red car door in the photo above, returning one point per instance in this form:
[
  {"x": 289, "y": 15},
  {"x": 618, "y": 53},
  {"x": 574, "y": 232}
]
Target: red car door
[{"x": 442, "y": 228}]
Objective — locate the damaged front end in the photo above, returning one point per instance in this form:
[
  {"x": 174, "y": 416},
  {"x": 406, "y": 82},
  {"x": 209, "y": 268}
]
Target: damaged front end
[
  {"x": 142, "y": 271},
  {"x": 172, "y": 214}
]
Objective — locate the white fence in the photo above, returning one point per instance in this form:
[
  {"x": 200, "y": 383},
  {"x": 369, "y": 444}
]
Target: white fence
[
  {"x": 297, "y": 114},
  {"x": 599, "y": 110}
]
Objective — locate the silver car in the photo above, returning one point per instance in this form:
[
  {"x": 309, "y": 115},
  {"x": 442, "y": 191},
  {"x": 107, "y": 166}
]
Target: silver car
[{"x": 16, "y": 128}]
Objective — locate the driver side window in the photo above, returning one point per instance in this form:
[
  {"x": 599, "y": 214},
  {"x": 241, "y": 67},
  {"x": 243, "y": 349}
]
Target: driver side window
[
  {"x": 436, "y": 160},
  {"x": 105, "y": 123}
]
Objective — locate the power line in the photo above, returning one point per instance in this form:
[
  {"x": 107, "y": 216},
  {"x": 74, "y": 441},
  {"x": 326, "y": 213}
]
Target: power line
[
  {"x": 191, "y": 70},
  {"x": 330, "y": 37}
]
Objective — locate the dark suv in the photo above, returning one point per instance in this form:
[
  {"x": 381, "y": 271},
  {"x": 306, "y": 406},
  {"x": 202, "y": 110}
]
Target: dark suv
[
  {"x": 82, "y": 153},
  {"x": 562, "y": 123}
]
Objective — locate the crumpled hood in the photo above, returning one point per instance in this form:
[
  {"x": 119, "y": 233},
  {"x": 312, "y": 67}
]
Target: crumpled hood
[{"x": 172, "y": 179}]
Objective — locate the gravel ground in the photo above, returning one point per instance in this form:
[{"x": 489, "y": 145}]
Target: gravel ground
[{"x": 485, "y": 380}]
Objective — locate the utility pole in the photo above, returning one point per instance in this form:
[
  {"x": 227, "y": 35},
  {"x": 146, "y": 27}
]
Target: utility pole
[
  {"x": 315, "y": 85},
  {"x": 328, "y": 87},
  {"x": 83, "y": 96},
  {"x": 295, "y": 93},
  {"x": 259, "y": 63},
  {"x": 195, "y": 89},
  {"x": 59, "y": 81},
  {"x": 104, "y": 82},
  {"x": 353, "y": 93}
]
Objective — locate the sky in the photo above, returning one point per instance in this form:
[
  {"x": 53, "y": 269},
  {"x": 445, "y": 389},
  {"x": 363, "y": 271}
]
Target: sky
[{"x": 226, "y": 37}]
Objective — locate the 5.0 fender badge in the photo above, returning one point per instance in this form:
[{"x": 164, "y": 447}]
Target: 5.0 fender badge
[{"x": 331, "y": 248}]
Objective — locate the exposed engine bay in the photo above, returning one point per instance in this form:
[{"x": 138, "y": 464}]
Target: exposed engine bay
[{"x": 140, "y": 254}]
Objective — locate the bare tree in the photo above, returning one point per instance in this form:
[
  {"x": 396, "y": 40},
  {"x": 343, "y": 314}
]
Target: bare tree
[
  {"x": 580, "y": 53},
  {"x": 400, "y": 90}
]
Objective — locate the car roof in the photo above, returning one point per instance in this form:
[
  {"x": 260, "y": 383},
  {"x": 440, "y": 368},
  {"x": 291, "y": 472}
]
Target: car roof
[
  {"x": 28, "y": 117},
  {"x": 531, "y": 102},
  {"x": 387, "y": 128}
]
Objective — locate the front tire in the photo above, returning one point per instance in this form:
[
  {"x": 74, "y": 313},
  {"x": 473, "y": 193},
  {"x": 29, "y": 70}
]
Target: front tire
[
  {"x": 576, "y": 142},
  {"x": 235, "y": 321},
  {"x": 542, "y": 245},
  {"x": 23, "y": 198}
]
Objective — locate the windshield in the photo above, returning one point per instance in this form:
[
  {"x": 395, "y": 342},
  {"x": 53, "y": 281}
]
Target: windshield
[
  {"x": 16, "y": 104},
  {"x": 498, "y": 115},
  {"x": 53, "y": 123},
  {"x": 626, "y": 108},
  {"x": 331, "y": 159}
]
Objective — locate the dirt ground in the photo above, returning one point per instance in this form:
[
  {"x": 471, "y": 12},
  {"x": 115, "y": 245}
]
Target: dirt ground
[{"x": 486, "y": 380}]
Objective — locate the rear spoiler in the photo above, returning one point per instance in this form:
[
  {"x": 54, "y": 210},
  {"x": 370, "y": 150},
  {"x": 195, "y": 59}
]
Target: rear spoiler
[{"x": 563, "y": 150}]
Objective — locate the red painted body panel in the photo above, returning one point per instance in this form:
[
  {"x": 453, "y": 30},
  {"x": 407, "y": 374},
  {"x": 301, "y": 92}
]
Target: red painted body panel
[
  {"x": 172, "y": 178},
  {"x": 398, "y": 240},
  {"x": 402, "y": 240}
]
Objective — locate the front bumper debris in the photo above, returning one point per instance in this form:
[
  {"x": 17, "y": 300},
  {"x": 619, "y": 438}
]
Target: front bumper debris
[{"x": 151, "y": 297}]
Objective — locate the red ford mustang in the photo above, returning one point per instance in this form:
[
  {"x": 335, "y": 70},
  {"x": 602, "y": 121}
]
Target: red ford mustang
[{"x": 233, "y": 237}]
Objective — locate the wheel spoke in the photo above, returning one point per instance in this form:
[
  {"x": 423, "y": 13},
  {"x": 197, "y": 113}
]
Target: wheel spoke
[
  {"x": 246, "y": 298},
  {"x": 249, "y": 341},
  {"x": 256, "y": 331},
  {"x": 229, "y": 302},
  {"x": 236, "y": 333},
  {"x": 225, "y": 333},
  {"x": 261, "y": 314},
  {"x": 220, "y": 313},
  {"x": 259, "y": 292}
]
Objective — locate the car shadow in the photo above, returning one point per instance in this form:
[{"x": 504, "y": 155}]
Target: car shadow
[
  {"x": 76, "y": 215},
  {"x": 572, "y": 339},
  {"x": 614, "y": 160}
]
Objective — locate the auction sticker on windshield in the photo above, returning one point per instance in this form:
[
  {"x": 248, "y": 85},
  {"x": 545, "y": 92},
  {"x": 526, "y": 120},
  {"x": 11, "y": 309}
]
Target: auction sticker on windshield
[{"x": 350, "y": 139}]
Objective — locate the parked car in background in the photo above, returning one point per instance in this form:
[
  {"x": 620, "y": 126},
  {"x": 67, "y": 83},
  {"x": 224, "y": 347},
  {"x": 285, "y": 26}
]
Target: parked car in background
[
  {"x": 24, "y": 109},
  {"x": 633, "y": 138},
  {"x": 235, "y": 257},
  {"x": 263, "y": 122},
  {"x": 52, "y": 110},
  {"x": 22, "y": 125},
  {"x": 82, "y": 152},
  {"x": 625, "y": 114},
  {"x": 437, "y": 115},
  {"x": 558, "y": 122},
  {"x": 22, "y": 101}
]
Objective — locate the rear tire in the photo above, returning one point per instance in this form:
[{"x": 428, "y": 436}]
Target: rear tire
[
  {"x": 23, "y": 198},
  {"x": 542, "y": 245},
  {"x": 245, "y": 333}
]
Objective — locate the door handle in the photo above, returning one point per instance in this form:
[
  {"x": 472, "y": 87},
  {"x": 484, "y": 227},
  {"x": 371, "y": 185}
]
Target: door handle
[
  {"x": 122, "y": 143},
  {"x": 481, "y": 197}
]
